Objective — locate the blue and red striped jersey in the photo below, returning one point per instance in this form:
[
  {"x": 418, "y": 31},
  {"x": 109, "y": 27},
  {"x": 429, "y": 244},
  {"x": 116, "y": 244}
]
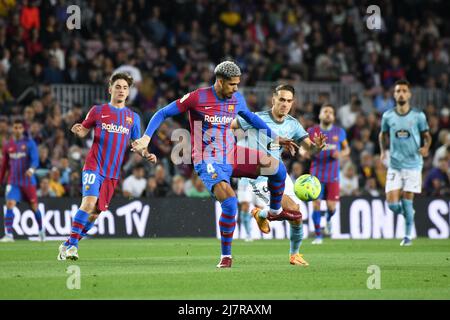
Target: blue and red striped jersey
[
  {"x": 114, "y": 127},
  {"x": 210, "y": 119},
  {"x": 19, "y": 156},
  {"x": 324, "y": 165}
]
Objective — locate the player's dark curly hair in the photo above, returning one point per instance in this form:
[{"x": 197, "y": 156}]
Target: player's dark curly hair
[
  {"x": 121, "y": 75},
  {"x": 227, "y": 70}
]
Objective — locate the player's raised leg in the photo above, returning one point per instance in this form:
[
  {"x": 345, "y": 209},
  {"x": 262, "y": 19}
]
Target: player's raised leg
[{"x": 275, "y": 170}]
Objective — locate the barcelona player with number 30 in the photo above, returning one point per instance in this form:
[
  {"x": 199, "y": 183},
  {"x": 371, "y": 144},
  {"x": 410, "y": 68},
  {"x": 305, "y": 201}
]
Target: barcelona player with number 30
[{"x": 114, "y": 125}]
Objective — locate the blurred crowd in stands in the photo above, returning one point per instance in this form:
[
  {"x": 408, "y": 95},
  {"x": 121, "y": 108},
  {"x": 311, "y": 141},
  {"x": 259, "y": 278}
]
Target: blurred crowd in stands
[{"x": 171, "y": 47}]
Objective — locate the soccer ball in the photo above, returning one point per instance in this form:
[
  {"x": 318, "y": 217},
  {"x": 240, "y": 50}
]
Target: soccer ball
[{"x": 307, "y": 187}]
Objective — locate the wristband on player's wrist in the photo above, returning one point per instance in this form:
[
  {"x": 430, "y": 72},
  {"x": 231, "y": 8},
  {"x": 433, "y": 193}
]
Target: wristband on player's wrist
[
  {"x": 32, "y": 170},
  {"x": 273, "y": 146}
]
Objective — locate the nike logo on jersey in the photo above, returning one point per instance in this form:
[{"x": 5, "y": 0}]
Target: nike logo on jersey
[
  {"x": 105, "y": 116},
  {"x": 207, "y": 108}
]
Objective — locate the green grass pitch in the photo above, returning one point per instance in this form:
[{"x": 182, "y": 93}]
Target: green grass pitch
[{"x": 185, "y": 269}]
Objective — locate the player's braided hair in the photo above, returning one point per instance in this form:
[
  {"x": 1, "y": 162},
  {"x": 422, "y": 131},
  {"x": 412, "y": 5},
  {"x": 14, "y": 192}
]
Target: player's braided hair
[{"x": 227, "y": 70}]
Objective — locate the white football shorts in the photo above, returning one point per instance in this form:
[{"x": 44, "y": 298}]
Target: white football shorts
[
  {"x": 261, "y": 193},
  {"x": 408, "y": 180}
]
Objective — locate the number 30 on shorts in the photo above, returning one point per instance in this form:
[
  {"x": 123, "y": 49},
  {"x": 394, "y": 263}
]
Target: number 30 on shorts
[{"x": 88, "y": 178}]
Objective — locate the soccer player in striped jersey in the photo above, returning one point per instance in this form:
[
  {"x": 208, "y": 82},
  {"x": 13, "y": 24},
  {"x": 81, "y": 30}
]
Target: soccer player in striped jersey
[
  {"x": 409, "y": 142},
  {"x": 279, "y": 120},
  {"x": 20, "y": 160},
  {"x": 325, "y": 166},
  {"x": 114, "y": 125},
  {"x": 214, "y": 152}
]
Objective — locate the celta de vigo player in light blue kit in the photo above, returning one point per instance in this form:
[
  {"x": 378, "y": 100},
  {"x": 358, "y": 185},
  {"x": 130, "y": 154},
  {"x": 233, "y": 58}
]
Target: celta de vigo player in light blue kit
[
  {"x": 286, "y": 126},
  {"x": 409, "y": 142}
]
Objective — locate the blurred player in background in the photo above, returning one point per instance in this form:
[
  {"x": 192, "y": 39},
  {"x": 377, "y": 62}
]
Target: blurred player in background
[
  {"x": 216, "y": 157},
  {"x": 20, "y": 160},
  {"x": 286, "y": 126},
  {"x": 406, "y": 129},
  {"x": 114, "y": 125},
  {"x": 245, "y": 198},
  {"x": 325, "y": 166}
]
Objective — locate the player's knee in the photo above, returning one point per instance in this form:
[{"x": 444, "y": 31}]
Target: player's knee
[
  {"x": 281, "y": 174},
  {"x": 230, "y": 202},
  {"x": 395, "y": 207},
  {"x": 407, "y": 195},
  {"x": 316, "y": 205},
  {"x": 10, "y": 204},
  {"x": 278, "y": 172},
  {"x": 297, "y": 222},
  {"x": 245, "y": 206},
  {"x": 89, "y": 206}
]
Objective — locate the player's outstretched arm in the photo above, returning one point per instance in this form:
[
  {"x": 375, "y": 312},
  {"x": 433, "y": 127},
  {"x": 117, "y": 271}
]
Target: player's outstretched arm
[
  {"x": 141, "y": 144},
  {"x": 79, "y": 130},
  {"x": 259, "y": 124},
  {"x": 313, "y": 147}
]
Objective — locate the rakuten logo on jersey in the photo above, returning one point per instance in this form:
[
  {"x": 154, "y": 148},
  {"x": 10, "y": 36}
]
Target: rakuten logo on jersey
[
  {"x": 17, "y": 155},
  {"x": 218, "y": 120},
  {"x": 113, "y": 128}
]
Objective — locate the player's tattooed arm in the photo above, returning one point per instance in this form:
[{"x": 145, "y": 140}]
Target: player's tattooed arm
[
  {"x": 426, "y": 137},
  {"x": 382, "y": 139},
  {"x": 79, "y": 130}
]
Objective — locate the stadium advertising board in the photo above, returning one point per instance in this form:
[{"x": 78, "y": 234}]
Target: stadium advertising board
[
  {"x": 138, "y": 218},
  {"x": 356, "y": 218},
  {"x": 365, "y": 218}
]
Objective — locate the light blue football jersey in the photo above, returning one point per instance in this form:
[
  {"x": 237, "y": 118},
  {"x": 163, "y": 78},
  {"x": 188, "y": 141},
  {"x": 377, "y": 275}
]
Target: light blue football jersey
[
  {"x": 405, "y": 137},
  {"x": 290, "y": 128}
]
